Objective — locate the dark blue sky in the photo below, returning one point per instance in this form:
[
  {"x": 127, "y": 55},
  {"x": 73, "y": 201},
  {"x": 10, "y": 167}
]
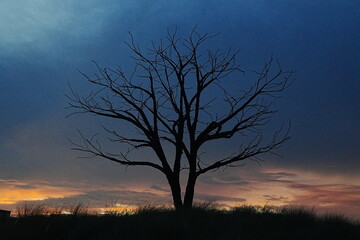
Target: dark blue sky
[{"x": 42, "y": 43}]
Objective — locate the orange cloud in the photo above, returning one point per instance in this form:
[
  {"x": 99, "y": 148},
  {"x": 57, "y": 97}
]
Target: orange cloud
[
  {"x": 264, "y": 186},
  {"x": 13, "y": 191},
  {"x": 338, "y": 198},
  {"x": 284, "y": 187}
]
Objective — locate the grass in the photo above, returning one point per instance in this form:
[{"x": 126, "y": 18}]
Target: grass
[{"x": 203, "y": 222}]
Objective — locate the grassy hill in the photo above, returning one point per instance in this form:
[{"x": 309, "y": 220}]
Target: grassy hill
[{"x": 200, "y": 223}]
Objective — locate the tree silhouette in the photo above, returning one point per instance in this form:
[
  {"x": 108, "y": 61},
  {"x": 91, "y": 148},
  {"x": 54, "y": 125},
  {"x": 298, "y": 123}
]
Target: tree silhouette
[{"x": 167, "y": 100}]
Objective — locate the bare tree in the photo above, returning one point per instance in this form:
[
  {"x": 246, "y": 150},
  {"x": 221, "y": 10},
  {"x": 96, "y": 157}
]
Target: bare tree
[{"x": 166, "y": 99}]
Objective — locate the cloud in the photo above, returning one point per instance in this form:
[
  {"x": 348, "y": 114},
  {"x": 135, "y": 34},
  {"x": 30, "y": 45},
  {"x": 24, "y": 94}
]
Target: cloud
[
  {"x": 100, "y": 198},
  {"x": 335, "y": 197},
  {"x": 275, "y": 198},
  {"x": 13, "y": 191},
  {"x": 312, "y": 190},
  {"x": 39, "y": 24},
  {"x": 279, "y": 176},
  {"x": 288, "y": 187},
  {"x": 218, "y": 198},
  {"x": 159, "y": 188},
  {"x": 26, "y": 186},
  {"x": 335, "y": 194},
  {"x": 224, "y": 179}
]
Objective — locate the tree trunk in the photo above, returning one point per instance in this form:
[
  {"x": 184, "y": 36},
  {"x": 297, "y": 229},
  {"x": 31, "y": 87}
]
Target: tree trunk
[
  {"x": 174, "y": 183},
  {"x": 190, "y": 188}
]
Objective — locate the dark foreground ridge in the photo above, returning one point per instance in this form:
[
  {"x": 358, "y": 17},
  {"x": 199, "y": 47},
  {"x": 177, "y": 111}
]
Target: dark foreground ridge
[{"x": 199, "y": 223}]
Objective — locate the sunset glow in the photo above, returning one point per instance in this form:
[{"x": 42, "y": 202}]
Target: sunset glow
[
  {"x": 13, "y": 192},
  {"x": 44, "y": 45},
  {"x": 267, "y": 187}
]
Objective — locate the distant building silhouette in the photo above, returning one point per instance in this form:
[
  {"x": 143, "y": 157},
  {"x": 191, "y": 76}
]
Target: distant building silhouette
[{"x": 4, "y": 214}]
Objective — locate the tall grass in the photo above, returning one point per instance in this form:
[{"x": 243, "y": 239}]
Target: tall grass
[
  {"x": 28, "y": 209},
  {"x": 204, "y": 221},
  {"x": 31, "y": 209}
]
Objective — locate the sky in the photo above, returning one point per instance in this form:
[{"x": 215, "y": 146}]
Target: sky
[{"x": 43, "y": 42}]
